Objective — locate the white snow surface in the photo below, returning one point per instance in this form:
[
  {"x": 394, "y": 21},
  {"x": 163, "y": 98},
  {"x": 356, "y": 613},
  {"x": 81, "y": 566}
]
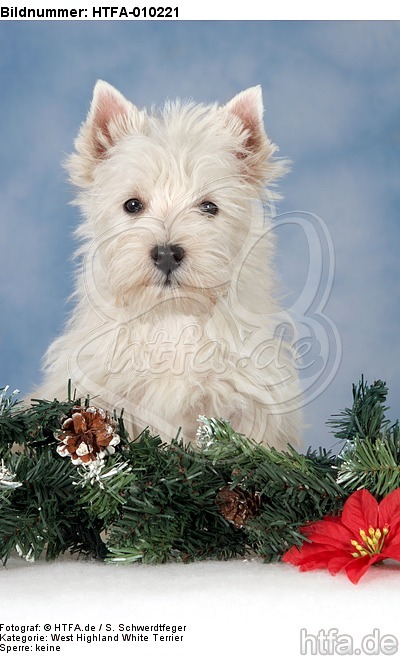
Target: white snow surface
[{"x": 228, "y": 608}]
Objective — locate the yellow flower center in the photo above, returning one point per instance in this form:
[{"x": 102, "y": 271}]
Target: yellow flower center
[{"x": 371, "y": 544}]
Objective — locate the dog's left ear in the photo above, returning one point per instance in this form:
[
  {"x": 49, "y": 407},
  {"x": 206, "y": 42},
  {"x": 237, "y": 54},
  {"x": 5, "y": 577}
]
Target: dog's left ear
[
  {"x": 110, "y": 118},
  {"x": 245, "y": 117}
]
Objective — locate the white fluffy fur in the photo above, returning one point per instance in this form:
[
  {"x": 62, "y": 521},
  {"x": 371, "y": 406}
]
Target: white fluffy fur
[{"x": 209, "y": 343}]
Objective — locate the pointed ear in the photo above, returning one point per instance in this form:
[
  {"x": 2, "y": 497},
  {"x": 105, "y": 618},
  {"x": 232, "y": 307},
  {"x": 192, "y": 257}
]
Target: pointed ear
[
  {"x": 245, "y": 115},
  {"x": 248, "y": 107},
  {"x": 108, "y": 112},
  {"x": 110, "y": 117}
]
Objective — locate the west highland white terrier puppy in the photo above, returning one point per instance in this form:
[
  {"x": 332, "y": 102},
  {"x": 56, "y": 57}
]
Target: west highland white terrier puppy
[{"x": 176, "y": 313}]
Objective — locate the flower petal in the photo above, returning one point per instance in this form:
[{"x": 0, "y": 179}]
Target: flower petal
[
  {"x": 313, "y": 556},
  {"x": 392, "y": 540},
  {"x": 332, "y": 534},
  {"x": 326, "y": 559},
  {"x": 296, "y": 554},
  {"x": 392, "y": 551},
  {"x": 338, "y": 562},
  {"x": 357, "y": 568},
  {"x": 389, "y": 511},
  {"x": 360, "y": 511}
]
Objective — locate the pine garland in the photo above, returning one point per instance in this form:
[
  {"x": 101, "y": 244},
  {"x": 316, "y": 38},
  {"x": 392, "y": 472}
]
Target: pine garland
[{"x": 148, "y": 501}]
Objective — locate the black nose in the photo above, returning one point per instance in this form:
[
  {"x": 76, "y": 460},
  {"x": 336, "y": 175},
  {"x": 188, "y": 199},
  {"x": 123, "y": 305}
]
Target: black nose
[{"x": 167, "y": 257}]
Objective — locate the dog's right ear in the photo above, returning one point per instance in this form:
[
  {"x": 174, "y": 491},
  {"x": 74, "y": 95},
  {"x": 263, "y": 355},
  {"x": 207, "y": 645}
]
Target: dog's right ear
[
  {"x": 110, "y": 117},
  {"x": 244, "y": 115}
]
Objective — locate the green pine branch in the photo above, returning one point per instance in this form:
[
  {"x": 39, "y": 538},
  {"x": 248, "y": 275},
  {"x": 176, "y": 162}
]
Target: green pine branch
[
  {"x": 155, "y": 502},
  {"x": 294, "y": 488},
  {"x": 366, "y": 418},
  {"x": 370, "y": 457},
  {"x": 169, "y": 512},
  {"x": 372, "y": 463}
]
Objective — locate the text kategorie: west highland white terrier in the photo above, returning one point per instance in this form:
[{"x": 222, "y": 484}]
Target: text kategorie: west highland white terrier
[{"x": 176, "y": 314}]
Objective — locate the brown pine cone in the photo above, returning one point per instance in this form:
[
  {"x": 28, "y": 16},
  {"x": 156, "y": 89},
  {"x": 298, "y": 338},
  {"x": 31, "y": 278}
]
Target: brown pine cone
[
  {"x": 87, "y": 435},
  {"x": 237, "y": 505}
]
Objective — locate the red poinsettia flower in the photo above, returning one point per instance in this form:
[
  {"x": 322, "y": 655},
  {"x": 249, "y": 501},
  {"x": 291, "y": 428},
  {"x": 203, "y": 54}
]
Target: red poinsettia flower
[{"x": 365, "y": 533}]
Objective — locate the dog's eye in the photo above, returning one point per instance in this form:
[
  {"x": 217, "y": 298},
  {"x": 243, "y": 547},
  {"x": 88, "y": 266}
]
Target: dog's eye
[
  {"x": 209, "y": 208},
  {"x": 133, "y": 206}
]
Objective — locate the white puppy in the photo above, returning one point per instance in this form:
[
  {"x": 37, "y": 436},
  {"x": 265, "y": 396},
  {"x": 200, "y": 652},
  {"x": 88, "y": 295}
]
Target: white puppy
[{"x": 175, "y": 311}]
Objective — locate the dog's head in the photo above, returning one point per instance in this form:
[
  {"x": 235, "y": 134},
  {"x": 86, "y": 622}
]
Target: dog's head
[{"x": 169, "y": 197}]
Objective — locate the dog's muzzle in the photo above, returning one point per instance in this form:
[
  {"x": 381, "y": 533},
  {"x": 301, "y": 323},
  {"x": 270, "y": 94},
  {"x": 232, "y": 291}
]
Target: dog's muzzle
[{"x": 167, "y": 257}]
